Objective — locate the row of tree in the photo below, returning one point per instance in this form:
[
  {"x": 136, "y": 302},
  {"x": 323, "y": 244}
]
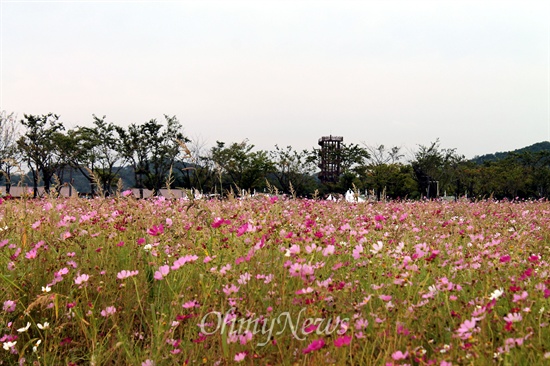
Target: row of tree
[{"x": 38, "y": 150}]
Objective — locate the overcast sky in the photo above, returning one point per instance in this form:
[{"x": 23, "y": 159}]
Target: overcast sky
[{"x": 476, "y": 75}]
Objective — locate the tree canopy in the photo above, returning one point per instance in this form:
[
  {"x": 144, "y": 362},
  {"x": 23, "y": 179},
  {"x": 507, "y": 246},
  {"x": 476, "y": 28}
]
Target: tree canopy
[{"x": 155, "y": 155}]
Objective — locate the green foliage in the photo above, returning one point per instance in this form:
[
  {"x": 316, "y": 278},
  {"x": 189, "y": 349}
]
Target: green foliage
[
  {"x": 535, "y": 148},
  {"x": 142, "y": 155},
  {"x": 241, "y": 168},
  {"x": 384, "y": 174},
  {"x": 42, "y": 147},
  {"x": 97, "y": 151},
  {"x": 434, "y": 169},
  {"x": 293, "y": 168},
  {"x": 152, "y": 149}
]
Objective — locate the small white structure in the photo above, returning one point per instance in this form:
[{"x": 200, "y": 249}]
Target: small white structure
[{"x": 351, "y": 197}]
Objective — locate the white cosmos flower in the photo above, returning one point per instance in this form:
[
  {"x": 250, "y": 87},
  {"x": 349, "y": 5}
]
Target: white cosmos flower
[
  {"x": 377, "y": 247},
  {"x": 46, "y": 289},
  {"x": 25, "y": 328},
  {"x": 496, "y": 294},
  {"x": 35, "y": 347},
  {"x": 44, "y": 326},
  {"x": 8, "y": 345}
]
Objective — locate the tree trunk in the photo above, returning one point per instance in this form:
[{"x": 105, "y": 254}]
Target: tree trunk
[{"x": 35, "y": 183}]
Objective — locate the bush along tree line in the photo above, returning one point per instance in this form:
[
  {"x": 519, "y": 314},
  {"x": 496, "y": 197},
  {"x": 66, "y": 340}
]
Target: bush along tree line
[{"x": 38, "y": 150}]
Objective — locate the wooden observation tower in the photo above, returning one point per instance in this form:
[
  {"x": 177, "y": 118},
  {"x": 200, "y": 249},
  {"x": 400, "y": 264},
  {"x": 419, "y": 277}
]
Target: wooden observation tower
[{"x": 331, "y": 158}]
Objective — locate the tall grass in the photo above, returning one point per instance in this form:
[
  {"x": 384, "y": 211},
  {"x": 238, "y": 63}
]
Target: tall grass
[{"x": 273, "y": 281}]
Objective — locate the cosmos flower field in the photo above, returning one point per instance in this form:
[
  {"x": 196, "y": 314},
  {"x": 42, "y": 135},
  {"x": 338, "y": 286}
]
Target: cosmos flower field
[{"x": 273, "y": 281}]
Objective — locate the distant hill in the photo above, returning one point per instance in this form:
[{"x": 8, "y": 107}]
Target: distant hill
[
  {"x": 539, "y": 146},
  {"x": 82, "y": 185}
]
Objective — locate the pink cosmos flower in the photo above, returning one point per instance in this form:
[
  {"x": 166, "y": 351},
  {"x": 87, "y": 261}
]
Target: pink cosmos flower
[
  {"x": 310, "y": 328},
  {"x": 108, "y": 311},
  {"x": 357, "y": 251},
  {"x": 301, "y": 291},
  {"x": 246, "y": 337},
  {"x": 307, "y": 270},
  {"x": 9, "y": 306},
  {"x": 125, "y": 274},
  {"x": 182, "y": 260},
  {"x": 505, "y": 258},
  {"x": 156, "y": 230},
  {"x": 398, "y": 355},
  {"x": 230, "y": 289},
  {"x": 11, "y": 266},
  {"x": 295, "y": 269},
  {"x": 518, "y": 298},
  {"x": 225, "y": 268},
  {"x": 244, "y": 278},
  {"x": 243, "y": 229},
  {"x": 208, "y": 259},
  {"x": 294, "y": 249},
  {"x": 61, "y": 272},
  {"x": 314, "y": 346},
  {"x": 513, "y": 317},
  {"x": 218, "y": 221},
  {"x": 31, "y": 254},
  {"x": 190, "y": 304},
  {"x": 162, "y": 272},
  {"x": 81, "y": 279},
  {"x": 465, "y": 329},
  {"x": 328, "y": 250},
  {"x": 534, "y": 258},
  {"x": 361, "y": 323},
  {"x": 342, "y": 341},
  {"x": 240, "y": 356}
]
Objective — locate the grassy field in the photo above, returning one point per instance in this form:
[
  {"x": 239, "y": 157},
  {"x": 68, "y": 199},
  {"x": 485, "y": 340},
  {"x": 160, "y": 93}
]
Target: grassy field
[{"x": 268, "y": 281}]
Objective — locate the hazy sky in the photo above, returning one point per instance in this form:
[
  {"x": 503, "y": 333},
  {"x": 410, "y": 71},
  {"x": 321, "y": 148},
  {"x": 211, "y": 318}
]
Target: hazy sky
[{"x": 474, "y": 74}]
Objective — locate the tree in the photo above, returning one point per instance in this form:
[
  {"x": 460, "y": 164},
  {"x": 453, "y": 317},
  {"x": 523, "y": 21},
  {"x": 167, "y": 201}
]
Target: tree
[
  {"x": 467, "y": 178},
  {"x": 242, "y": 167},
  {"x": 197, "y": 168},
  {"x": 384, "y": 173},
  {"x": 8, "y": 147},
  {"x": 152, "y": 150},
  {"x": 432, "y": 168},
  {"x": 98, "y": 150},
  {"x": 293, "y": 168},
  {"x": 541, "y": 174},
  {"x": 380, "y": 155},
  {"x": 39, "y": 147}
]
